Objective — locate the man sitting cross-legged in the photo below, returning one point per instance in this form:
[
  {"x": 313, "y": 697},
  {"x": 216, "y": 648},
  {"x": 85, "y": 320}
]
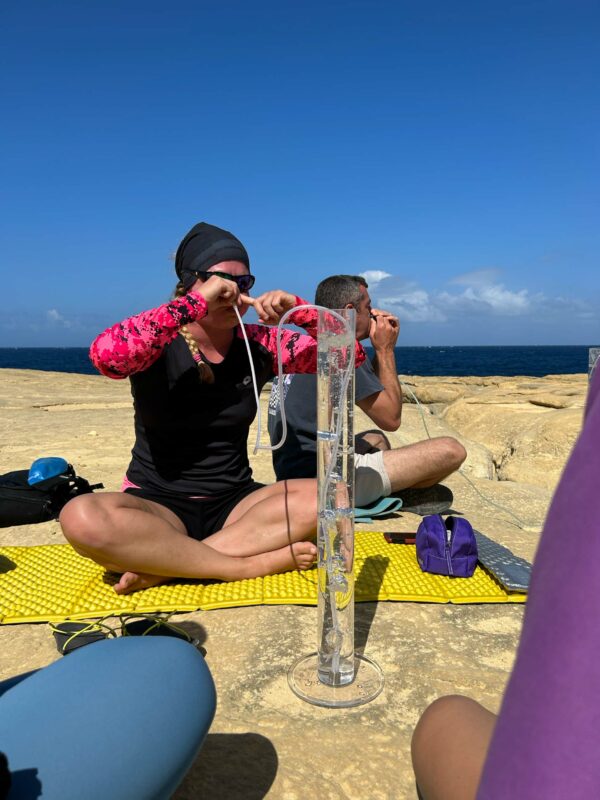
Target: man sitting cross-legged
[{"x": 411, "y": 472}]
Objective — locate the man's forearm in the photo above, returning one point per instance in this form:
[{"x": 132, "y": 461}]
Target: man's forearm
[{"x": 384, "y": 364}]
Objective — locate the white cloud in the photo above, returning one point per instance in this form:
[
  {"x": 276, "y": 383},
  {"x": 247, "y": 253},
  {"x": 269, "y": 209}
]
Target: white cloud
[
  {"x": 374, "y": 277},
  {"x": 56, "y": 318},
  {"x": 494, "y": 298},
  {"x": 481, "y": 293},
  {"x": 564, "y": 308},
  {"x": 478, "y": 277},
  {"x": 413, "y": 305},
  {"x": 49, "y": 327}
]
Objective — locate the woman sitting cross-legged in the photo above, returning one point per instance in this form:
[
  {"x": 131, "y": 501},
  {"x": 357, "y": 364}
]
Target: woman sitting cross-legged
[{"x": 190, "y": 508}]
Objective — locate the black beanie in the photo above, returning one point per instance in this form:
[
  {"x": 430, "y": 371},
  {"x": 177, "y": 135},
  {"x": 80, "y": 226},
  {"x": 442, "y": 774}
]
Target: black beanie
[{"x": 203, "y": 247}]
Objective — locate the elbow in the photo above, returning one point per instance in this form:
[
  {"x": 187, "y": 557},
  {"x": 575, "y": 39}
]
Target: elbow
[
  {"x": 387, "y": 422},
  {"x": 391, "y": 427},
  {"x": 109, "y": 372},
  {"x": 105, "y": 368}
]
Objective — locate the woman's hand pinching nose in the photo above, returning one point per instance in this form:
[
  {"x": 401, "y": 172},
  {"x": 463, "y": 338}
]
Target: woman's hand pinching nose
[{"x": 218, "y": 292}]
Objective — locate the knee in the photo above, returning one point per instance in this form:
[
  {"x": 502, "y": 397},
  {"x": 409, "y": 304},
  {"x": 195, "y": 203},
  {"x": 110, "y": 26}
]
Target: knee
[
  {"x": 442, "y": 710},
  {"x": 455, "y": 452},
  {"x": 305, "y": 503},
  {"x": 435, "y": 732},
  {"x": 85, "y": 522},
  {"x": 437, "y": 719}
]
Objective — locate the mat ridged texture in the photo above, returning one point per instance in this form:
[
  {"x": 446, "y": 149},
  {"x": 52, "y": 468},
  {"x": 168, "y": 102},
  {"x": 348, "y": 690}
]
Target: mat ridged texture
[{"x": 49, "y": 583}]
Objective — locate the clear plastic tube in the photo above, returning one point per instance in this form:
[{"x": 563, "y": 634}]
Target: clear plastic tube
[
  {"x": 257, "y": 444},
  {"x": 253, "y": 373}
]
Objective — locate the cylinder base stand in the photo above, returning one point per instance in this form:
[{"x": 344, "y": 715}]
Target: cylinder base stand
[{"x": 304, "y": 682}]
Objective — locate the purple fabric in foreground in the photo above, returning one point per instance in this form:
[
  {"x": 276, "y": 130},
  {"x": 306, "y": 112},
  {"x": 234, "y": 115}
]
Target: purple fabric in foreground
[{"x": 547, "y": 739}]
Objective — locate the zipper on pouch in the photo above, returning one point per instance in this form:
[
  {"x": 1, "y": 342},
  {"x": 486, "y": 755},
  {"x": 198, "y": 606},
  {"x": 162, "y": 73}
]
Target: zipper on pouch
[{"x": 448, "y": 548}]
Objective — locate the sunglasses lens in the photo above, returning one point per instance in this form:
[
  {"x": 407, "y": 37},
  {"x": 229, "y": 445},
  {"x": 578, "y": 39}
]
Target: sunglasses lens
[{"x": 245, "y": 282}]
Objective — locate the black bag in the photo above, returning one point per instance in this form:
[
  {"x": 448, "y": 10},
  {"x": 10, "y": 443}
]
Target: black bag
[
  {"x": 5, "y": 780},
  {"x": 22, "y": 504}
]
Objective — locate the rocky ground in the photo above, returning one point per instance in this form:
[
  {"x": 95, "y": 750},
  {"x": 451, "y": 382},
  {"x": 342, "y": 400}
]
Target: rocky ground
[{"x": 264, "y": 741}]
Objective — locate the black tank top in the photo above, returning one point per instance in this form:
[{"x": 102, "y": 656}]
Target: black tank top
[{"x": 191, "y": 437}]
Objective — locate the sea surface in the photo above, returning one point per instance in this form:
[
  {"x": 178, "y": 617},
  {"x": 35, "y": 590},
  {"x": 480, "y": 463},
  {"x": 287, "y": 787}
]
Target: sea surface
[{"x": 498, "y": 360}]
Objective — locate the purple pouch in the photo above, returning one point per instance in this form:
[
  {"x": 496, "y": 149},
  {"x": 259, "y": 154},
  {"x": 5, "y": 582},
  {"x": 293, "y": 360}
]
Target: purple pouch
[{"x": 446, "y": 548}]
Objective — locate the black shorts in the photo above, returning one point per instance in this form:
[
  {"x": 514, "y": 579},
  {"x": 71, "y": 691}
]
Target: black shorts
[
  {"x": 362, "y": 447},
  {"x": 204, "y": 516}
]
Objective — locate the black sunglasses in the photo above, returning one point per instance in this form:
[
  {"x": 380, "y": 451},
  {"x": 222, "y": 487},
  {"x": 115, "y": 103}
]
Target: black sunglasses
[{"x": 244, "y": 282}]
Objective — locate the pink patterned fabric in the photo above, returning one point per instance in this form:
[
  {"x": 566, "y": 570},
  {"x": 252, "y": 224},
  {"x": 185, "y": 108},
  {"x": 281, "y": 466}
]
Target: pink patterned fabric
[
  {"x": 298, "y": 350},
  {"x": 136, "y": 343}
]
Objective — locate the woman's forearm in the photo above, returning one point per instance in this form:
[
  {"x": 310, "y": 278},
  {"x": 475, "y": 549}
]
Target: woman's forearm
[
  {"x": 137, "y": 342},
  {"x": 298, "y": 350}
]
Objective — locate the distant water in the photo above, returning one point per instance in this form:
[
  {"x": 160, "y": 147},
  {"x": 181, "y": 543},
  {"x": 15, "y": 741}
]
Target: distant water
[
  {"x": 48, "y": 359},
  {"x": 480, "y": 361}
]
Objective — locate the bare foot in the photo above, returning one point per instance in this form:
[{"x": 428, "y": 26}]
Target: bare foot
[
  {"x": 299, "y": 555},
  {"x": 134, "y": 581}
]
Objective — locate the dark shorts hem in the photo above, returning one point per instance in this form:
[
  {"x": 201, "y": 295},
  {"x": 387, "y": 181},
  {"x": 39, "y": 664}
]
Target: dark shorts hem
[{"x": 201, "y": 517}]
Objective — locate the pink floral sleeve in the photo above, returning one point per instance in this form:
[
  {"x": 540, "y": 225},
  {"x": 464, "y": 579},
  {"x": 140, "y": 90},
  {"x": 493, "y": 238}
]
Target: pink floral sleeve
[
  {"x": 137, "y": 342},
  {"x": 298, "y": 350}
]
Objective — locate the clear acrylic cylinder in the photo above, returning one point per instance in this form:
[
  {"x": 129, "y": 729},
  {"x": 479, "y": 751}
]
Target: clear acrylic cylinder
[
  {"x": 335, "y": 480},
  {"x": 330, "y": 677}
]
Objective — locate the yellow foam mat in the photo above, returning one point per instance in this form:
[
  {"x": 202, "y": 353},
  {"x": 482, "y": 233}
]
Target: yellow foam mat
[{"x": 48, "y": 583}]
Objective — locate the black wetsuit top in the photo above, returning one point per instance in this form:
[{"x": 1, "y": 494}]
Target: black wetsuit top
[{"x": 191, "y": 437}]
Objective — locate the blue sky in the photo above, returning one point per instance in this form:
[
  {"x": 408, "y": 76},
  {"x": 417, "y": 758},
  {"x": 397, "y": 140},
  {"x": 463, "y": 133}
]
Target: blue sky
[{"x": 449, "y": 151}]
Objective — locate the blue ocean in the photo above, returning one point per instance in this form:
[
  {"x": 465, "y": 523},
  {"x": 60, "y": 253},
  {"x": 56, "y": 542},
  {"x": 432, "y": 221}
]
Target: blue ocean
[{"x": 481, "y": 361}]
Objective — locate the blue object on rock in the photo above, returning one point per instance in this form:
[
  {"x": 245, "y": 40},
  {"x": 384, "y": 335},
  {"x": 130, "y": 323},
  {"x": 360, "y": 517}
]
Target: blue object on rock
[{"x": 47, "y": 469}]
